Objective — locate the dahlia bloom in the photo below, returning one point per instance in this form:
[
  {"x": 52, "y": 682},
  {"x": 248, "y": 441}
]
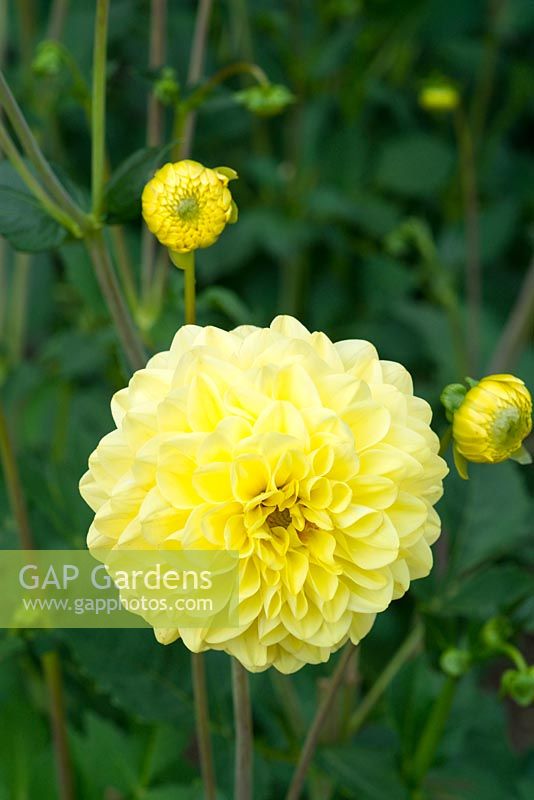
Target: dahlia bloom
[
  {"x": 187, "y": 206},
  {"x": 492, "y": 421},
  {"x": 313, "y": 460}
]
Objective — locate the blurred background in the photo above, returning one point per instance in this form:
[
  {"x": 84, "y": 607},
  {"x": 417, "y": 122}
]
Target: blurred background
[{"x": 370, "y": 207}]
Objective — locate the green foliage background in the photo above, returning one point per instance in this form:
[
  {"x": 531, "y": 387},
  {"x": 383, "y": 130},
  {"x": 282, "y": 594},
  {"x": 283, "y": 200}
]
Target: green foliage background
[{"x": 322, "y": 188}]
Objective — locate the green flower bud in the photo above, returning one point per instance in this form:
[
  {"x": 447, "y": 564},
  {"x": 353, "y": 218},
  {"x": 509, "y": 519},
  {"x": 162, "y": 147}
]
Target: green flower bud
[
  {"x": 495, "y": 633},
  {"x": 167, "y": 88},
  {"x": 441, "y": 98},
  {"x": 266, "y": 100},
  {"x": 48, "y": 61},
  {"x": 454, "y": 662},
  {"x": 519, "y": 685}
]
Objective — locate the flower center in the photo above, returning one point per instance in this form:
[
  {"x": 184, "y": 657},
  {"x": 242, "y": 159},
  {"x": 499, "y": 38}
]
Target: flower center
[
  {"x": 279, "y": 519},
  {"x": 187, "y": 208},
  {"x": 506, "y": 425}
]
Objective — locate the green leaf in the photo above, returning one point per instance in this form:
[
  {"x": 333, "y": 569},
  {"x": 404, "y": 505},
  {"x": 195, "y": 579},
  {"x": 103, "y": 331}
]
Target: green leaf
[
  {"x": 496, "y": 516},
  {"x": 105, "y": 745},
  {"x": 416, "y": 165},
  {"x": 123, "y": 192},
  {"x": 409, "y": 698},
  {"x": 484, "y": 594},
  {"x": 23, "y": 221},
  {"x": 367, "y": 773},
  {"x": 148, "y": 681}
]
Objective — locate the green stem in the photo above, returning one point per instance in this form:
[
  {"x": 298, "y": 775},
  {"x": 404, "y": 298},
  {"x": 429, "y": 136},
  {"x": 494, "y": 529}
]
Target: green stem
[
  {"x": 124, "y": 267},
  {"x": 289, "y": 701},
  {"x": 156, "y": 59},
  {"x": 184, "y": 110},
  {"x": 98, "y": 108},
  {"x": 27, "y": 20},
  {"x": 472, "y": 231},
  {"x": 190, "y": 291},
  {"x": 50, "y": 206},
  {"x": 3, "y": 32},
  {"x": 50, "y": 661},
  {"x": 433, "y": 731},
  {"x": 310, "y": 745},
  {"x": 518, "y": 328},
  {"x": 13, "y": 484},
  {"x": 243, "y": 732},
  {"x": 203, "y": 725},
  {"x": 56, "y": 19},
  {"x": 52, "y": 672},
  {"x": 3, "y": 286},
  {"x": 154, "y": 133},
  {"x": 407, "y": 649},
  {"x": 19, "y": 299},
  {"x": 514, "y": 655},
  {"x": 194, "y": 73},
  {"x": 486, "y": 76},
  {"x": 127, "y": 333},
  {"x": 36, "y": 157}
]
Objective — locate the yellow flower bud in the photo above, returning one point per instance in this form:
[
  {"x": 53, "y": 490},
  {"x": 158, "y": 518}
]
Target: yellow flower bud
[
  {"x": 439, "y": 98},
  {"x": 187, "y": 206},
  {"x": 492, "y": 422}
]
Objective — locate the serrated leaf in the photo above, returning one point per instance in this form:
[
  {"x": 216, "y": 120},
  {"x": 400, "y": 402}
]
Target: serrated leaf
[{"x": 123, "y": 192}]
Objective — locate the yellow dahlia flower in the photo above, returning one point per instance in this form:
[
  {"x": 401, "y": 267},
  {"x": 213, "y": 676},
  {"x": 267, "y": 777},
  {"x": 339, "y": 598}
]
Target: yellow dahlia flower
[
  {"x": 313, "y": 460},
  {"x": 492, "y": 422},
  {"x": 440, "y": 97},
  {"x": 187, "y": 206}
]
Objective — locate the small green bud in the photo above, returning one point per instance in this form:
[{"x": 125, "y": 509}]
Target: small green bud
[
  {"x": 496, "y": 632},
  {"x": 455, "y": 662},
  {"x": 452, "y": 398},
  {"x": 439, "y": 97},
  {"x": 166, "y": 87},
  {"x": 519, "y": 685},
  {"x": 266, "y": 100},
  {"x": 48, "y": 61}
]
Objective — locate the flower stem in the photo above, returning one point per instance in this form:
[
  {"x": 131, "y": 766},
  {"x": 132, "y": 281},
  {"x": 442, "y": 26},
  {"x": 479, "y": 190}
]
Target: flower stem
[
  {"x": 243, "y": 732},
  {"x": 29, "y": 144},
  {"x": 472, "y": 232},
  {"x": 50, "y": 661},
  {"x": 19, "y": 301},
  {"x": 56, "y": 19},
  {"x": 124, "y": 267},
  {"x": 310, "y": 745},
  {"x": 52, "y": 672},
  {"x": 518, "y": 327},
  {"x": 196, "y": 65},
  {"x": 3, "y": 287},
  {"x": 127, "y": 333},
  {"x": 203, "y": 725},
  {"x": 433, "y": 731},
  {"x": 404, "y": 653},
  {"x": 154, "y": 133},
  {"x": 14, "y": 485},
  {"x": 190, "y": 292},
  {"x": 98, "y": 107}
]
